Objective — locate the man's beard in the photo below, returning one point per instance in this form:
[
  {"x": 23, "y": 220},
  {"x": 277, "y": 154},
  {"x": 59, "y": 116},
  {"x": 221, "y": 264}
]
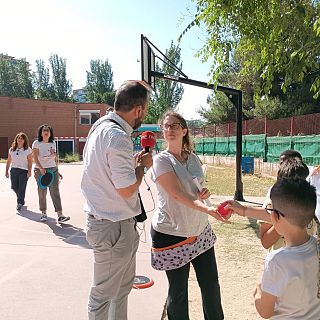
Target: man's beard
[{"x": 137, "y": 123}]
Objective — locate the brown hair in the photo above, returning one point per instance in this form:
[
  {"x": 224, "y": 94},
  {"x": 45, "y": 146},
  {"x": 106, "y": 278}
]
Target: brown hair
[
  {"x": 293, "y": 168},
  {"x": 186, "y": 141},
  {"x": 22, "y": 135},
  {"x": 130, "y": 94}
]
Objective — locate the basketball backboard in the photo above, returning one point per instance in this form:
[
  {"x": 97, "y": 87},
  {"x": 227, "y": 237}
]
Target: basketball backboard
[{"x": 147, "y": 62}]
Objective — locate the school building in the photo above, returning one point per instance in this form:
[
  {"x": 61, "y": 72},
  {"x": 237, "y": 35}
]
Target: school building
[{"x": 71, "y": 122}]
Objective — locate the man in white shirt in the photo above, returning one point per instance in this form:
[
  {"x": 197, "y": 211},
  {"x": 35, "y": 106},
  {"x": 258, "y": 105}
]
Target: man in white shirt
[{"x": 110, "y": 184}]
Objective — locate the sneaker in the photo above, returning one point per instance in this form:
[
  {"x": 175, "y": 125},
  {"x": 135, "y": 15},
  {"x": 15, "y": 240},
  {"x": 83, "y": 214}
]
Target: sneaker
[
  {"x": 62, "y": 219},
  {"x": 43, "y": 218},
  {"x": 19, "y": 206}
]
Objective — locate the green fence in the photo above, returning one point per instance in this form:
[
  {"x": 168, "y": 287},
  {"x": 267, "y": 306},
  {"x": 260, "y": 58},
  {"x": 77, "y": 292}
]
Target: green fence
[{"x": 260, "y": 146}]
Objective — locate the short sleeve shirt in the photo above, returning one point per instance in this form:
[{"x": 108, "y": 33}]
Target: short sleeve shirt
[
  {"x": 108, "y": 165},
  {"x": 291, "y": 274},
  {"x": 47, "y": 153},
  {"x": 172, "y": 217},
  {"x": 20, "y": 158}
]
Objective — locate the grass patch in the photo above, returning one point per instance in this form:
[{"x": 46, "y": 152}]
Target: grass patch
[
  {"x": 238, "y": 238},
  {"x": 70, "y": 157},
  {"x": 222, "y": 181}
]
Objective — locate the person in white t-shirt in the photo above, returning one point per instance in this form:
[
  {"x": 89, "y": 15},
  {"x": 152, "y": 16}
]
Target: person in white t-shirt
[
  {"x": 20, "y": 160},
  {"x": 290, "y": 283},
  {"x": 181, "y": 233},
  {"x": 45, "y": 157}
]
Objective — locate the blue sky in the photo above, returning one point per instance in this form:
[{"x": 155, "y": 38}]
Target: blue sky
[{"x": 104, "y": 29}]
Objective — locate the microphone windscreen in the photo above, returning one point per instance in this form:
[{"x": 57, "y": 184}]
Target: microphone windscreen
[{"x": 147, "y": 139}]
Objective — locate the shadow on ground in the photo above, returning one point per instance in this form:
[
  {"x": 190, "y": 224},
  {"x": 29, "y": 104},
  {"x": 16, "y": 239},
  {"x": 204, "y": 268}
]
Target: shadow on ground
[{"x": 67, "y": 232}]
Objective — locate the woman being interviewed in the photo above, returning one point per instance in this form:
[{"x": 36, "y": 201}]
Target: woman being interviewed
[
  {"x": 20, "y": 159},
  {"x": 180, "y": 231},
  {"x": 45, "y": 158}
]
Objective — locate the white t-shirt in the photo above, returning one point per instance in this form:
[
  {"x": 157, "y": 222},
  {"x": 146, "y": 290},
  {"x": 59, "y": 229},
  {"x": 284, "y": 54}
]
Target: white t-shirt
[
  {"x": 20, "y": 158},
  {"x": 47, "y": 153},
  {"x": 291, "y": 274},
  {"x": 315, "y": 181},
  {"x": 172, "y": 217},
  {"x": 108, "y": 165}
]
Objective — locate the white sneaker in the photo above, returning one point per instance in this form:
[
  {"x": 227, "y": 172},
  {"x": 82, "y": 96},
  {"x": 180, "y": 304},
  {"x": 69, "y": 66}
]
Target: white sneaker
[{"x": 43, "y": 218}]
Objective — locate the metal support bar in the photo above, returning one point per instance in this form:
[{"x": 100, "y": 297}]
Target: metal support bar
[{"x": 235, "y": 97}]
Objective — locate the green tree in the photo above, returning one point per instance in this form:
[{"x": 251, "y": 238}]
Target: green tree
[
  {"x": 220, "y": 109},
  {"x": 61, "y": 86},
  {"x": 6, "y": 76},
  {"x": 15, "y": 77},
  {"x": 43, "y": 89},
  {"x": 100, "y": 82},
  {"x": 272, "y": 38},
  {"x": 167, "y": 94}
]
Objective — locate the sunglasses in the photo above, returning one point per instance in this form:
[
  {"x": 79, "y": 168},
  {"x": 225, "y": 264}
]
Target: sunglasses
[
  {"x": 173, "y": 126},
  {"x": 278, "y": 212}
]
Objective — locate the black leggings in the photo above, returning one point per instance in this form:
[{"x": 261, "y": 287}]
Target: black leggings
[{"x": 207, "y": 275}]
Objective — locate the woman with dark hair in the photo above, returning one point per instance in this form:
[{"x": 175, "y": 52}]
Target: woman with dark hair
[
  {"x": 45, "y": 158},
  {"x": 180, "y": 231},
  {"x": 20, "y": 159}
]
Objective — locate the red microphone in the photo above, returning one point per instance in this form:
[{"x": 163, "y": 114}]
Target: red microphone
[{"x": 147, "y": 140}]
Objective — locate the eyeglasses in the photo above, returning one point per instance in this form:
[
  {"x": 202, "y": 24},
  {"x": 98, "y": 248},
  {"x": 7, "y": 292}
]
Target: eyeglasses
[
  {"x": 173, "y": 126},
  {"x": 278, "y": 212}
]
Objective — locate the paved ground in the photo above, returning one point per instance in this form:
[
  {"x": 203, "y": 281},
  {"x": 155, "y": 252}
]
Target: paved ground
[{"x": 46, "y": 269}]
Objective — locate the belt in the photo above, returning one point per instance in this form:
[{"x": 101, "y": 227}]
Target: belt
[
  {"x": 99, "y": 218},
  {"x": 94, "y": 216}
]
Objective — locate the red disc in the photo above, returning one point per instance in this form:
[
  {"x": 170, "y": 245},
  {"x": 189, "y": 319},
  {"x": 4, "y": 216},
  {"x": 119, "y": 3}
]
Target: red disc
[{"x": 142, "y": 282}]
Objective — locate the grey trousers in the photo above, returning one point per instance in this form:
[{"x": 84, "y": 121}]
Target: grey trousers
[
  {"x": 114, "y": 247},
  {"x": 53, "y": 189}
]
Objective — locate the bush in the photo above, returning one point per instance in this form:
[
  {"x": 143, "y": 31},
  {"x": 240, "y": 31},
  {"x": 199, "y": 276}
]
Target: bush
[{"x": 70, "y": 157}]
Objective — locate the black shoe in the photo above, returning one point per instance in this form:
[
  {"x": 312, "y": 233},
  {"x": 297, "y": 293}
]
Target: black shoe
[
  {"x": 19, "y": 206},
  {"x": 62, "y": 219}
]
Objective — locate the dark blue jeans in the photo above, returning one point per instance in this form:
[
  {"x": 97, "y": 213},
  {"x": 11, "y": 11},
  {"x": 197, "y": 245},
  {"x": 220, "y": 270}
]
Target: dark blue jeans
[
  {"x": 207, "y": 275},
  {"x": 19, "y": 183}
]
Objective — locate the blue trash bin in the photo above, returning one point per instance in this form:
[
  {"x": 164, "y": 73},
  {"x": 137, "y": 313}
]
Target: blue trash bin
[{"x": 247, "y": 165}]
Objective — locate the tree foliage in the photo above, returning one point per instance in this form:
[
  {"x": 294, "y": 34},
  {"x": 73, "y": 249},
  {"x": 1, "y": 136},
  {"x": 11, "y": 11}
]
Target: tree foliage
[
  {"x": 43, "y": 88},
  {"x": 167, "y": 94},
  {"x": 272, "y": 38},
  {"x": 61, "y": 86},
  {"x": 15, "y": 77},
  {"x": 100, "y": 82}
]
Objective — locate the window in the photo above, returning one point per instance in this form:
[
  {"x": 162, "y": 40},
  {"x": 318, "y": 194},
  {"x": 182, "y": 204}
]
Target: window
[{"x": 88, "y": 117}]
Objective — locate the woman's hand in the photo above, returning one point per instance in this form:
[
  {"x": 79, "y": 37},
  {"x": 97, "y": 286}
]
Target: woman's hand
[
  {"x": 7, "y": 174},
  {"x": 236, "y": 207},
  {"x": 29, "y": 174},
  {"x": 214, "y": 213},
  {"x": 43, "y": 171},
  {"x": 60, "y": 176},
  {"x": 204, "y": 194}
]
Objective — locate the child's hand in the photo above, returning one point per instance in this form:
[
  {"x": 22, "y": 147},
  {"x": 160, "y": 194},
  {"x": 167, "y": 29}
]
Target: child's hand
[
  {"x": 236, "y": 207},
  {"x": 214, "y": 213}
]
